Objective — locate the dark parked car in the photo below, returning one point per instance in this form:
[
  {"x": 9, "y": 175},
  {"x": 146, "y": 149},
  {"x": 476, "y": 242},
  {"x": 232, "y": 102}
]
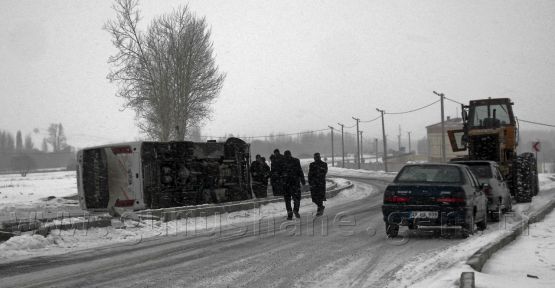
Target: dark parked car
[
  {"x": 497, "y": 190},
  {"x": 434, "y": 196}
]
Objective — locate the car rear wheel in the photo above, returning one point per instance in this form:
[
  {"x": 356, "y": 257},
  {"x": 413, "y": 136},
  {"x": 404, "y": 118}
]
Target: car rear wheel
[
  {"x": 495, "y": 215},
  {"x": 510, "y": 207},
  {"x": 391, "y": 230},
  {"x": 468, "y": 227},
  {"x": 483, "y": 225}
]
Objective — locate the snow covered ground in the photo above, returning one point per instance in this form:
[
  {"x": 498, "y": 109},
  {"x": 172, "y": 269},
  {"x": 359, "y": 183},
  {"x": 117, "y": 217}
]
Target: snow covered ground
[
  {"x": 532, "y": 253},
  {"x": 37, "y": 191},
  {"x": 527, "y": 262},
  {"x": 360, "y": 173}
]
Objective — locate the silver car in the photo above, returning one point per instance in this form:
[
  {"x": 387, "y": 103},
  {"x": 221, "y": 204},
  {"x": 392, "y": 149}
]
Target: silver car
[{"x": 495, "y": 187}]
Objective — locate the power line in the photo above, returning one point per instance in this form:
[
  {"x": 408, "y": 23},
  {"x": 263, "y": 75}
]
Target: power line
[
  {"x": 325, "y": 129},
  {"x": 276, "y": 135},
  {"x": 371, "y": 120},
  {"x": 414, "y": 110},
  {"x": 454, "y": 101},
  {"x": 537, "y": 123}
]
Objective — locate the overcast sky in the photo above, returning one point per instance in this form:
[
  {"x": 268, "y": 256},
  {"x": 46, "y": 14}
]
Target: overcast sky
[{"x": 291, "y": 66}]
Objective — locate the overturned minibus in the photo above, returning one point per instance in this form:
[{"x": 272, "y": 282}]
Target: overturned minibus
[{"x": 152, "y": 175}]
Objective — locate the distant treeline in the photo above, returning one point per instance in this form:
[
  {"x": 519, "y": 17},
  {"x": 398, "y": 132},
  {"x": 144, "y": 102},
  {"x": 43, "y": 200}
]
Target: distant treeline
[
  {"x": 19, "y": 155},
  {"x": 304, "y": 145}
]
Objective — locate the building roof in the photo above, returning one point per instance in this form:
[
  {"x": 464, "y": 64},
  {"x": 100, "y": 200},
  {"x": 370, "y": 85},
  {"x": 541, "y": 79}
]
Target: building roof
[{"x": 450, "y": 123}]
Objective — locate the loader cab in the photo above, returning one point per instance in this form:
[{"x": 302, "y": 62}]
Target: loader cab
[
  {"x": 490, "y": 113},
  {"x": 482, "y": 118}
]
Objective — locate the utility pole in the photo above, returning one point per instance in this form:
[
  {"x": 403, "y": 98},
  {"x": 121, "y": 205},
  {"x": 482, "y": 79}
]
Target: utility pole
[
  {"x": 358, "y": 145},
  {"x": 409, "y": 142},
  {"x": 332, "y": 152},
  {"x": 342, "y": 146},
  {"x": 399, "y": 138},
  {"x": 377, "y": 160},
  {"x": 443, "y": 157},
  {"x": 361, "y": 150},
  {"x": 384, "y": 141}
]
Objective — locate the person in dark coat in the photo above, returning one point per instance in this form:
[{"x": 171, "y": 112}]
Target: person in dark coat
[
  {"x": 276, "y": 172},
  {"x": 265, "y": 169},
  {"x": 293, "y": 176},
  {"x": 255, "y": 166},
  {"x": 317, "y": 180},
  {"x": 259, "y": 172}
]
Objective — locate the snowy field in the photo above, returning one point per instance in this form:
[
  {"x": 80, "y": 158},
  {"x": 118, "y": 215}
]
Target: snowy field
[
  {"x": 37, "y": 194},
  {"x": 37, "y": 191},
  {"x": 532, "y": 253}
]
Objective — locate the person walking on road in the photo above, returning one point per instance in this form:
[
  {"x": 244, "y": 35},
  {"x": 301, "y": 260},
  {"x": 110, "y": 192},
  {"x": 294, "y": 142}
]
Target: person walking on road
[
  {"x": 317, "y": 180},
  {"x": 293, "y": 176},
  {"x": 276, "y": 172}
]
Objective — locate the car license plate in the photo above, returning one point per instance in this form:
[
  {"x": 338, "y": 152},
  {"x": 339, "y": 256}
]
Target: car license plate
[{"x": 424, "y": 214}]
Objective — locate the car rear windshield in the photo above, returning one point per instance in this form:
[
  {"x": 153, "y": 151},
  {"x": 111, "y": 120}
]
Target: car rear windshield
[
  {"x": 430, "y": 174},
  {"x": 481, "y": 171}
]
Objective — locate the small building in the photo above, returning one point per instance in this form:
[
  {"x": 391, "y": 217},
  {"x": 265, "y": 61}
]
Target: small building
[{"x": 434, "y": 140}]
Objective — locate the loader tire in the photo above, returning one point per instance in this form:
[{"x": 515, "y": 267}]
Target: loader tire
[
  {"x": 533, "y": 173},
  {"x": 524, "y": 178}
]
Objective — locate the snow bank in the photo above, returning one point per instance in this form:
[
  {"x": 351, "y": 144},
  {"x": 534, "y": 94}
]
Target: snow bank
[
  {"x": 360, "y": 173},
  {"x": 547, "y": 181},
  {"x": 530, "y": 255},
  {"x": 26, "y": 243}
]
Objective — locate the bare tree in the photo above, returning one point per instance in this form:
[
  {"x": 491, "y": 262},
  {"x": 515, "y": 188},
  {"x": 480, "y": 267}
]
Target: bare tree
[{"x": 167, "y": 74}]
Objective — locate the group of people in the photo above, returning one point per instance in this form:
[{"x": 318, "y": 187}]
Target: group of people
[{"x": 286, "y": 177}]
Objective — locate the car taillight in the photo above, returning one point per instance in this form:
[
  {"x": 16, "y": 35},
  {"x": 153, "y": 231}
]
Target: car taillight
[
  {"x": 396, "y": 199},
  {"x": 124, "y": 203},
  {"x": 450, "y": 200},
  {"x": 487, "y": 190}
]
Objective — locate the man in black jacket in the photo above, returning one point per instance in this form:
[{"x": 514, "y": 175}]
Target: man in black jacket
[
  {"x": 292, "y": 177},
  {"x": 276, "y": 173},
  {"x": 260, "y": 173},
  {"x": 317, "y": 180}
]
